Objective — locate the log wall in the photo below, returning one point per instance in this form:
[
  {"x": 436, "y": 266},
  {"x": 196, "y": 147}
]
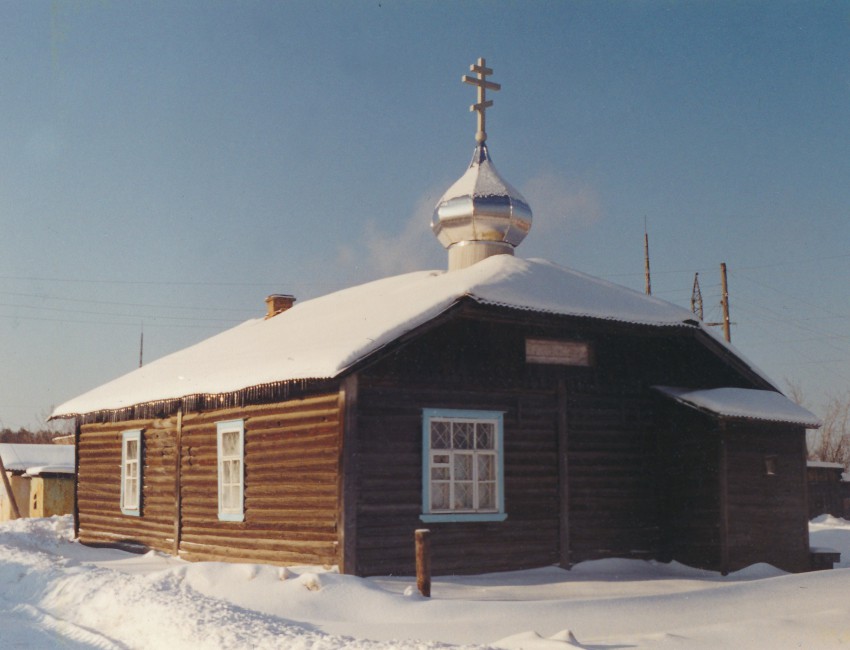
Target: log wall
[
  {"x": 291, "y": 473},
  {"x": 99, "y": 485},
  {"x": 690, "y": 502},
  {"x": 767, "y": 514},
  {"x": 614, "y": 467},
  {"x": 291, "y": 485}
]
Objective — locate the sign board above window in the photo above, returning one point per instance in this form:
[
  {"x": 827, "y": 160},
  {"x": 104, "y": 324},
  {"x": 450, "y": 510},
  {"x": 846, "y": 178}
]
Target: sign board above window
[{"x": 557, "y": 352}]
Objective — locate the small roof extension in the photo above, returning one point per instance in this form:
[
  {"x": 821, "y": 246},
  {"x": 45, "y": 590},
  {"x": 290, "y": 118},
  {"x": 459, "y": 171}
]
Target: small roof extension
[{"x": 743, "y": 404}]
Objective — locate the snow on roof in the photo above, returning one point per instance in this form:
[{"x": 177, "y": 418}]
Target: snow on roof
[
  {"x": 37, "y": 459},
  {"x": 767, "y": 405},
  {"x": 321, "y": 338}
]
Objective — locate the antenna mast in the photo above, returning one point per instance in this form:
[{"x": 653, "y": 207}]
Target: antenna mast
[
  {"x": 696, "y": 298},
  {"x": 646, "y": 259}
]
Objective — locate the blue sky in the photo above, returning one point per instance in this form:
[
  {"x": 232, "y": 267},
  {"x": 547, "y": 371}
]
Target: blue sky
[{"x": 166, "y": 165}]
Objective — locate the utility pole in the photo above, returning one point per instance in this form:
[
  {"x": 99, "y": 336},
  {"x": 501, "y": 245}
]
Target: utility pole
[
  {"x": 724, "y": 303},
  {"x": 646, "y": 259},
  {"x": 142, "y": 346}
]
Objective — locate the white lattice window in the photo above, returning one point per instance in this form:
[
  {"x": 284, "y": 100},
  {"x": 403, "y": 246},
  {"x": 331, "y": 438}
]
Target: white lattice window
[
  {"x": 462, "y": 465},
  {"x": 131, "y": 472},
  {"x": 231, "y": 470}
]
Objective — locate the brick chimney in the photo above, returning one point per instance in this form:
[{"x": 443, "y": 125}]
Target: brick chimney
[{"x": 277, "y": 303}]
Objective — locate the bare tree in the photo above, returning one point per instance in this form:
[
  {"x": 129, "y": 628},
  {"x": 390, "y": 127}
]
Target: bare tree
[{"x": 830, "y": 443}]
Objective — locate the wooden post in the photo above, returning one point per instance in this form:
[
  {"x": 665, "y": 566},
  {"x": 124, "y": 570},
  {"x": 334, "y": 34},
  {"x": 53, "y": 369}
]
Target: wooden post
[
  {"x": 423, "y": 561},
  {"x": 178, "y": 481},
  {"x": 16, "y": 514},
  {"x": 563, "y": 479},
  {"x": 78, "y": 432},
  {"x": 723, "y": 486},
  {"x": 724, "y": 303},
  {"x": 348, "y": 481}
]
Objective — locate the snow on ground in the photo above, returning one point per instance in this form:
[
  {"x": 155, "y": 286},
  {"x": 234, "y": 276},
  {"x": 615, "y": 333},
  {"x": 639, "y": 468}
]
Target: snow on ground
[{"x": 56, "y": 593}]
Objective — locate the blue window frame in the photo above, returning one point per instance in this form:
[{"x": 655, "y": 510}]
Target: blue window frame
[
  {"x": 131, "y": 472},
  {"x": 462, "y": 466},
  {"x": 231, "y": 470}
]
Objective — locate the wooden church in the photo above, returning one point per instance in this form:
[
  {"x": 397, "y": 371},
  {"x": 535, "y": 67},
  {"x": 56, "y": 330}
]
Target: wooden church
[{"x": 526, "y": 413}]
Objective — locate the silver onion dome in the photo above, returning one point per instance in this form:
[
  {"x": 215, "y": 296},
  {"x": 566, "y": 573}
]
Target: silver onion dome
[{"x": 481, "y": 214}]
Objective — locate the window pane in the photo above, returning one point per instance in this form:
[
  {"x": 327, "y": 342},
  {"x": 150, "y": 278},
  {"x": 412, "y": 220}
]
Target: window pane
[
  {"x": 230, "y": 443},
  {"x": 485, "y": 436},
  {"x": 229, "y": 501},
  {"x": 486, "y": 467},
  {"x": 462, "y": 435},
  {"x": 131, "y": 488},
  {"x": 132, "y": 450},
  {"x": 487, "y": 496},
  {"x": 462, "y": 467},
  {"x": 441, "y": 459},
  {"x": 439, "y": 496},
  {"x": 440, "y": 473},
  {"x": 440, "y": 438},
  {"x": 463, "y": 496},
  {"x": 226, "y": 474}
]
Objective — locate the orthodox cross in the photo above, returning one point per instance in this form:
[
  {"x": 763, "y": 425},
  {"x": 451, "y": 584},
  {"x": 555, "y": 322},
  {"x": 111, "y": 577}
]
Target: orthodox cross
[{"x": 483, "y": 103}]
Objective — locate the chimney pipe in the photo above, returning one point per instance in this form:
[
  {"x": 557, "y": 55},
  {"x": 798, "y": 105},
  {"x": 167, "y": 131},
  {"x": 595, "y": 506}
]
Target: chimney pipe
[{"x": 277, "y": 303}]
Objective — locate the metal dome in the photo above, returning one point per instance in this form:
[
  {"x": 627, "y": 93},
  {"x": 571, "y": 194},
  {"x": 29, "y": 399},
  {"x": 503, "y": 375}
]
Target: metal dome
[{"x": 481, "y": 214}]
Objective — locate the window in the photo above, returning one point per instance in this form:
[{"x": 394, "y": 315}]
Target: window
[
  {"x": 770, "y": 465},
  {"x": 462, "y": 466},
  {"x": 131, "y": 472},
  {"x": 231, "y": 470}
]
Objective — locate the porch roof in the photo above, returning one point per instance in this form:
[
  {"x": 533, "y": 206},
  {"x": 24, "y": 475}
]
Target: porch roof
[{"x": 743, "y": 403}]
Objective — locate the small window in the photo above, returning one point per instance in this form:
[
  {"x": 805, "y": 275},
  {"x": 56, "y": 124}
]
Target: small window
[
  {"x": 131, "y": 472},
  {"x": 231, "y": 470},
  {"x": 770, "y": 465},
  {"x": 462, "y": 466}
]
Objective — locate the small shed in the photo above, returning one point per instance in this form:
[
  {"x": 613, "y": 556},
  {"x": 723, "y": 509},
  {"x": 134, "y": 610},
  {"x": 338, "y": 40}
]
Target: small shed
[
  {"x": 828, "y": 492},
  {"x": 41, "y": 478}
]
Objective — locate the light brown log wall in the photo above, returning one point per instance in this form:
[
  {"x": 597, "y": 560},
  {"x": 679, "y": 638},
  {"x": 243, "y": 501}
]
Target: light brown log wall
[
  {"x": 291, "y": 472},
  {"x": 99, "y": 489},
  {"x": 291, "y": 485}
]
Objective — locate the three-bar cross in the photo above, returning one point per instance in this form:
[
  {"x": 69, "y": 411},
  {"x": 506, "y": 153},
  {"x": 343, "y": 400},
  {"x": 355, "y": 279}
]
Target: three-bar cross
[{"x": 483, "y": 103}]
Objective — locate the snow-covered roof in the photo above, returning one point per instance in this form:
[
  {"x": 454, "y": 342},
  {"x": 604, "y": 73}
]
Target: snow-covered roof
[
  {"x": 37, "y": 459},
  {"x": 749, "y": 403},
  {"x": 321, "y": 338}
]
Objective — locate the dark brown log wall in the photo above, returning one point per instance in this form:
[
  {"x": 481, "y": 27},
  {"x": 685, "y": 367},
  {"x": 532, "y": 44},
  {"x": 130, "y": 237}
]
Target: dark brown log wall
[
  {"x": 616, "y": 473},
  {"x": 690, "y": 501},
  {"x": 390, "y": 490},
  {"x": 767, "y": 514},
  {"x": 613, "y": 477}
]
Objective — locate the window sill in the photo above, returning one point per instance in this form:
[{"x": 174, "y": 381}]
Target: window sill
[{"x": 461, "y": 517}]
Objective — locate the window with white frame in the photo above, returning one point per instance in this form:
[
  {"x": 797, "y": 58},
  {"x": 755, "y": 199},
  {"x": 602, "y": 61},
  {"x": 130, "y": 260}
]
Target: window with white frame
[
  {"x": 231, "y": 470},
  {"x": 463, "y": 466},
  {"x": 131, "y": 472}
]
